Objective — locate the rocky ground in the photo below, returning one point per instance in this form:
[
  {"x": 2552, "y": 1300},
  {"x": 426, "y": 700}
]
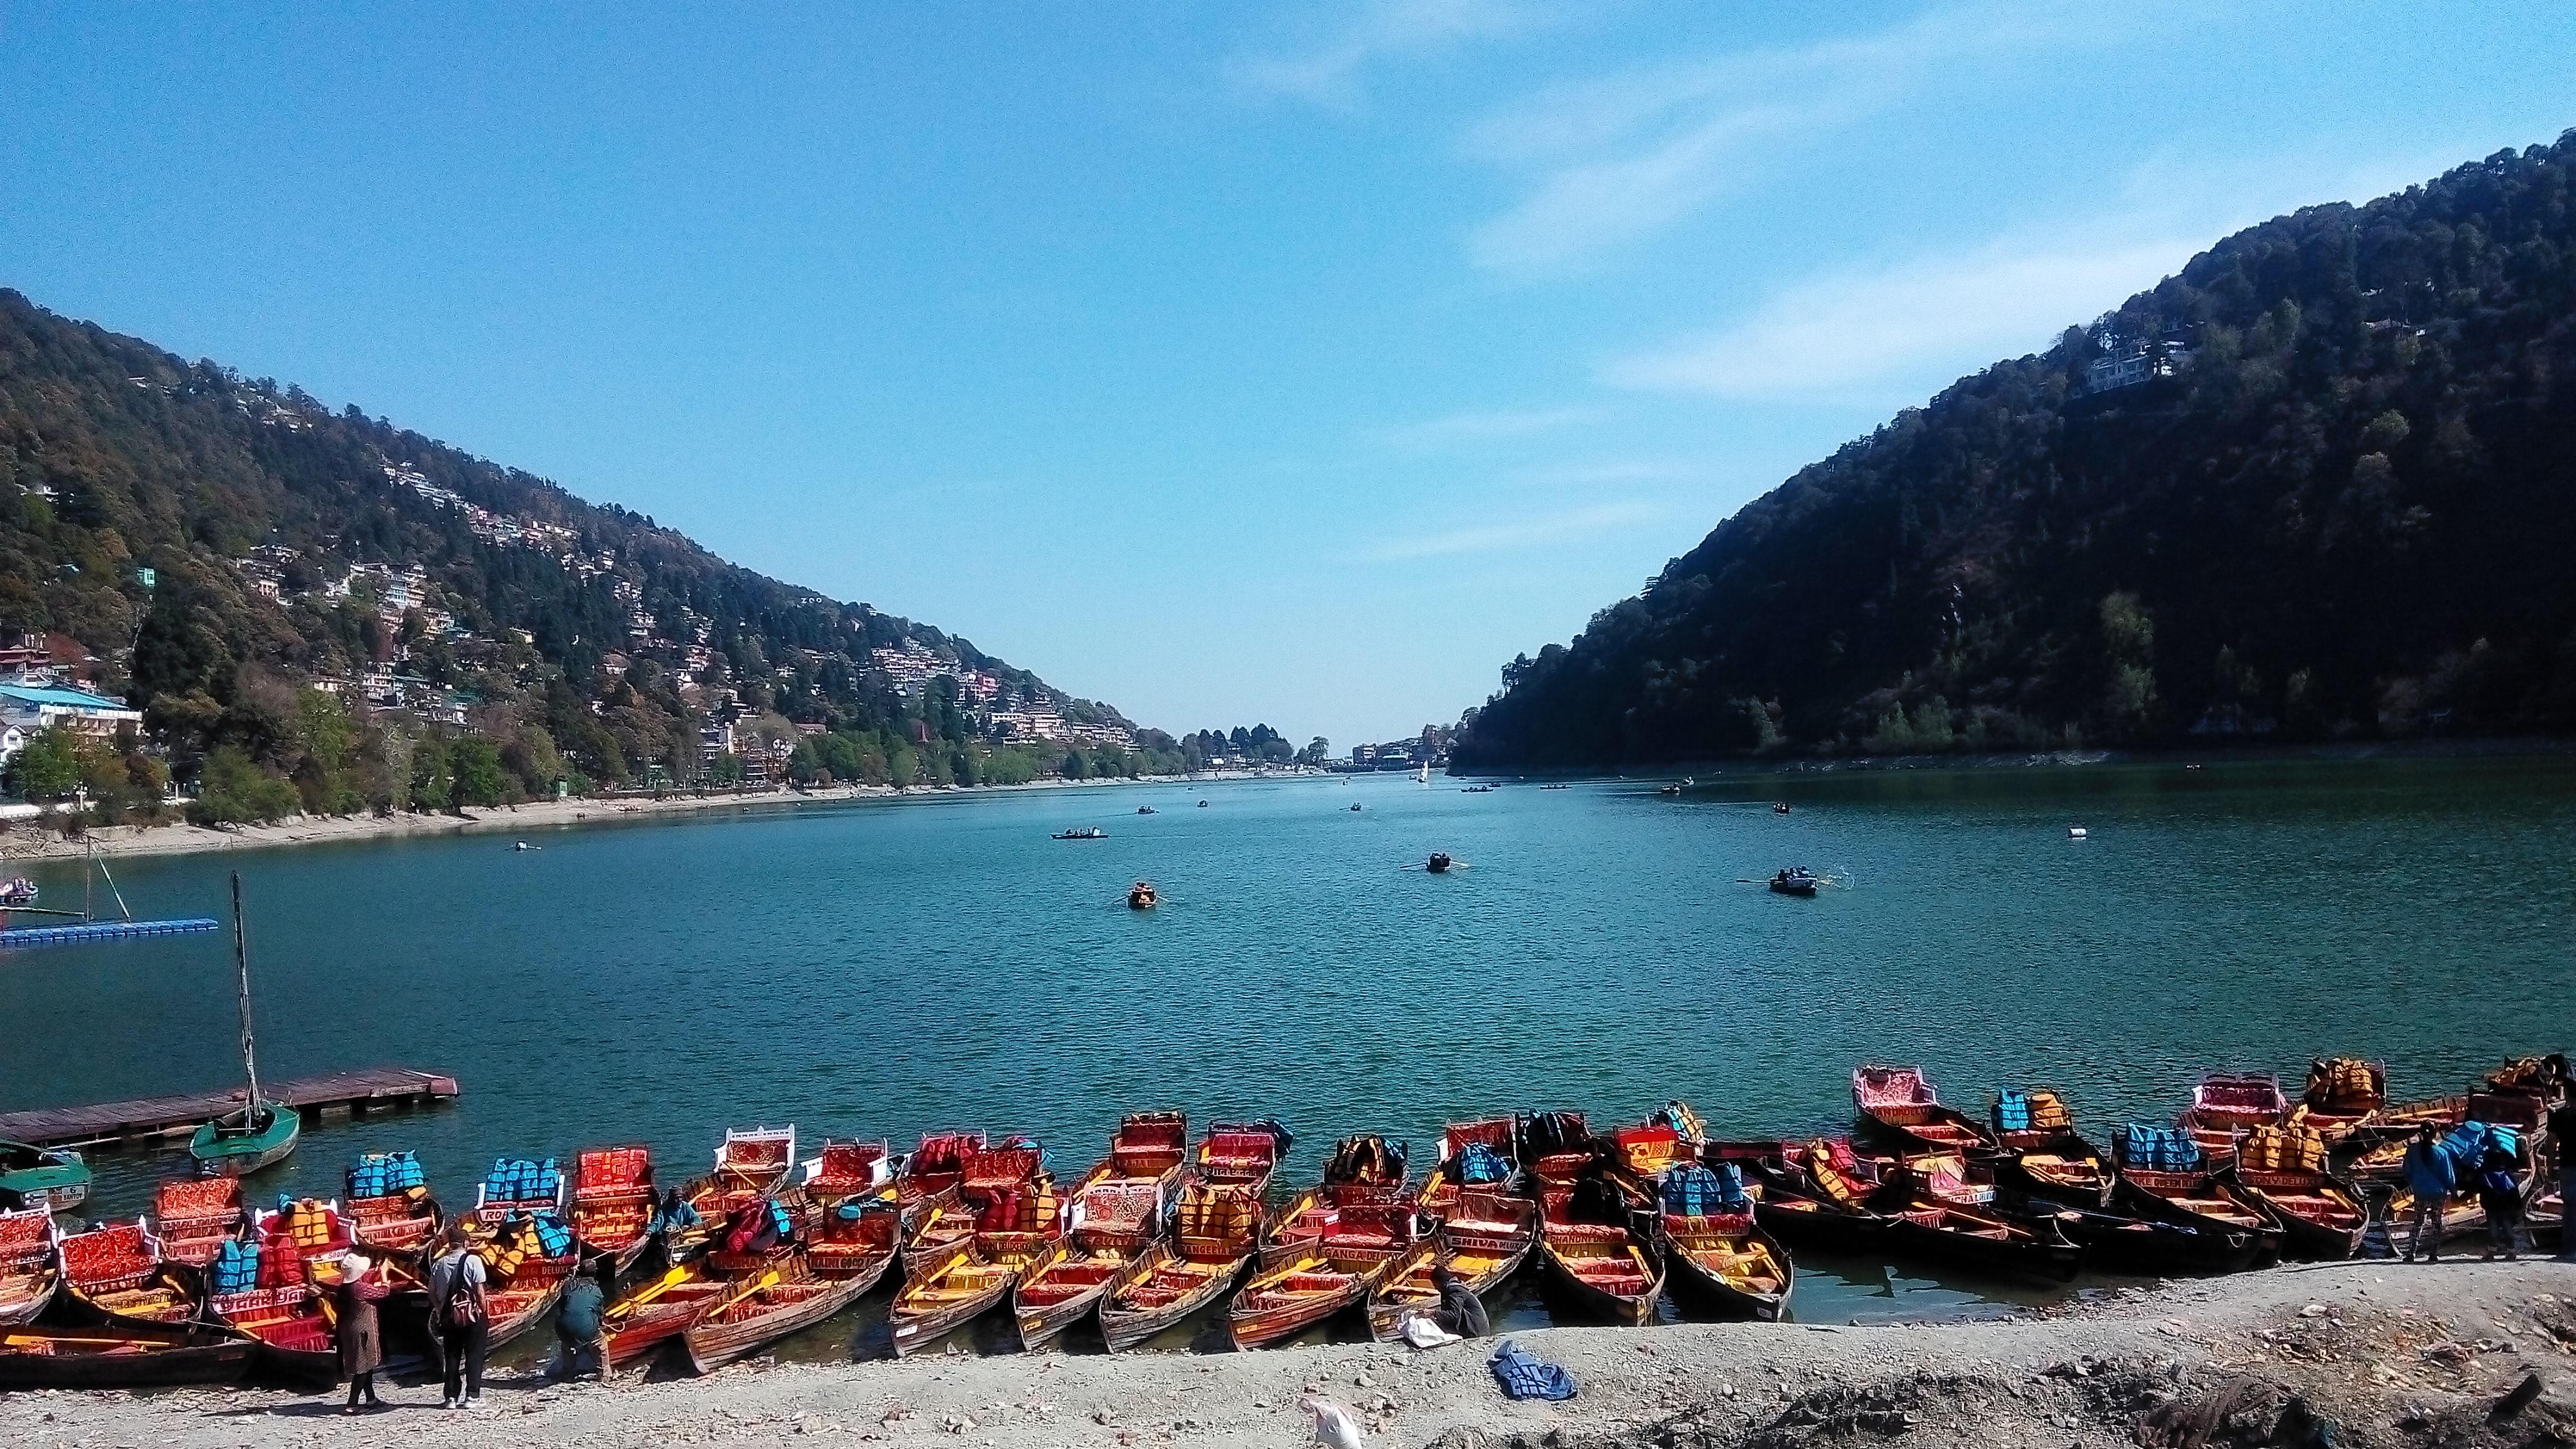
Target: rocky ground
[{"x": 2358, "y": 1354}]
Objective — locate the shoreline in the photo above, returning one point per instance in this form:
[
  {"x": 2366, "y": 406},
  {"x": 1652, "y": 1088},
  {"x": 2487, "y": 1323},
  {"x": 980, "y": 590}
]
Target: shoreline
[
  {"x": 2390, "y": 1354},
  {"x": 34, "y": 842},
  {"x": 2215, "y": 752}
]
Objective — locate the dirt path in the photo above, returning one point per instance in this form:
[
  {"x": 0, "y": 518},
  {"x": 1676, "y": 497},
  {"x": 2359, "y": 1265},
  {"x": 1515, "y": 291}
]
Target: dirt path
[{"x": 2390, "y": 1355}]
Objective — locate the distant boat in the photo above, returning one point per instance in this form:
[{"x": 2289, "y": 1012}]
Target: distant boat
[
  {"x": 1439, "y": 862},
  {"x": 1144, "y": 809},
  {"x": 1141, "y": 896},
  {"x": 1554, "y": 787},
  {"x": 2075, "y": 832},
  {"x": 1796, "y": 881},
  {"x": 1678, "y": 786},
  {"x": 1355, "y": 807},
  {"x": 1202, "y": 804},
  {"x": 262, "y": 1132},
  {"x": 1082, "y": 832},
  {"x": 1423, "y": 777},
  {"x": 1477, "y": 790},
  {"x": 1779, "y": 807},
  {"x": 41, "y": 1177}
]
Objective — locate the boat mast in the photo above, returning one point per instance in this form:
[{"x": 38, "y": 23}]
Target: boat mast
[{"x": 241, "y": 964}]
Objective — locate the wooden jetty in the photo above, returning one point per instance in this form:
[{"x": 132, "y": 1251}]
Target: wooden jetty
[{"x": 357, "y": 1093}]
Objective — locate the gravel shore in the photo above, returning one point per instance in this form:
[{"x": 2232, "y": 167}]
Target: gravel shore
[{"x": 2362, "y": 1354}]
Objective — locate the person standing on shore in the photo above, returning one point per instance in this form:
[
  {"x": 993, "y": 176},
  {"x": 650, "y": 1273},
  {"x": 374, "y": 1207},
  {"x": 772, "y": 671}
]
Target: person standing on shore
[
  {"x": 460, "y": 1318},
  {"x": 2501, "y": 1196},
  {"x": 362, "y": 1348},
  {"x": 2431, "y": 1178}
]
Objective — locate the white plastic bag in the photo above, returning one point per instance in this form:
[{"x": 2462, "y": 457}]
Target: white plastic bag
[
  {"x": 1336, "y": 1427},
  {"x": 1421, "y": 1332}
]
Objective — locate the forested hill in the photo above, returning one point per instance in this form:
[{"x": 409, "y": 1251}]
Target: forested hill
[
  {"x": 287, "y": 544},
  {"x": 2321, "y": 484}
]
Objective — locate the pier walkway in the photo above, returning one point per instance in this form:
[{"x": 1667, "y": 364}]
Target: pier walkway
[{"x": 357, "y": 1093}]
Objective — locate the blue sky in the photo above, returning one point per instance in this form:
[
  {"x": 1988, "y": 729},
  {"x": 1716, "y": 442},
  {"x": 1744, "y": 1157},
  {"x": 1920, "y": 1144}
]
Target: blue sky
[{"x": 1294, "y": 364}]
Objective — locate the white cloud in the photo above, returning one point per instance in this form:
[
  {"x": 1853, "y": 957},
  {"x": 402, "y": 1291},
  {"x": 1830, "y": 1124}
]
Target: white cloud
[
  {"x": 1860, "y": 335},
  {"x": 1938, "y": 316},
  {"x": 1521, "y": 533},
  {"x": 1626, "y": 155},
  {"x": 1488, "y": 426},
  {"x": 1328, "y": 74}
]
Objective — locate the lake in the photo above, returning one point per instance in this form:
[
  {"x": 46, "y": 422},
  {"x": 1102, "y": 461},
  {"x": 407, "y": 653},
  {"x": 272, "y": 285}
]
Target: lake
[{"x": 882, "y": 968}]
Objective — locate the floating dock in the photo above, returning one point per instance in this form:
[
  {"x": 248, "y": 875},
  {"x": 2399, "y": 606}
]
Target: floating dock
[
  {"x": 103, "y": 931},
  {"x": 357, "y": 1093}
]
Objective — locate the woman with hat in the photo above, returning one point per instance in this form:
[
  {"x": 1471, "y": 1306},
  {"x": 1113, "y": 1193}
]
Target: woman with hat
[{"x": 362, "y": 1348}]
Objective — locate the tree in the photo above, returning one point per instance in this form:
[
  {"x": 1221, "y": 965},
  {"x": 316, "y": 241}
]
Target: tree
[
  {"x": 238, "y": 792},
  {"x": 48, "y": 766},
  {"x": 480, "y": 780},
  {"x": 1317, "y": 751}
]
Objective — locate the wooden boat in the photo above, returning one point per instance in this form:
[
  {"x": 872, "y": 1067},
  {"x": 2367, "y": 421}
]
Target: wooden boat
[
  {"x": 117, "y": 1269},
  {"x": 1438, "y": 864},
  {"x": 1305, "y": 1287},
  {"x": 1796, "y": 881},
  {"x": 2190, "y": 1193},
  {"x": 192, "y": 1216},
  {"x": 1003, "y": 1188},
  {"x": 749, "y": 1166},
  {"x": 1649, "y": 1150},
  {"x": 1365, "y": 1170},
  {"x": 610, "y": 1206},
  {"x": 1486, "y": 1235},
  {"x": 2342, "y": 1094},
  {"x": 47, "y": 1177},
  {"x": 1557, "y": 1147},
  {"x": 1240, "y": 1154},
  {"x": 931, "y": 1175},
  {"x": 1119, "y": 1205},
  {"x": 785, "y": 1299},
  {"x": 2162, "y": 1246},
  {"x": 1729, "y": 1263},
  {"x": 1982, "y": 1238},
  {"x": 263, "y": 1132},
  {"x": 2226, "y": 1105},
  {"x": 1062, "y": 1286},
  {"x": 1481, "y": 1156},
  {"x": 1216, "y": 1228},
  {"x": 853, "y": 1237},
  {"x": 942, "y": 1294},
  {"x": 1789, "y": 1205},
  {"x": 1606, "y": 1271},
  {"x": 651, "y": 1314},
  {"x": 389, "y": 1224},
  {"x": 1141, "y": 896},
  {"x": 296, "y": 1338},
  {"x": 31, "y": 1269},
  {"x": 518, "y": 1187},
  {"x": 526, "y": 1281},
  {"x": 1082, "y": 832},
  {"x": 122, "y": 1356},
  {"x": 2044, "y": 1154},
  {"x": 1897, "y": 1105},
  {"x": 2284, "y": 1168}
]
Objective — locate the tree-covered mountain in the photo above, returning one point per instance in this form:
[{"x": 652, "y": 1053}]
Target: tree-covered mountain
[
  {"x": 222, "y": 545},
  {"x": 2319, "y": 485}
]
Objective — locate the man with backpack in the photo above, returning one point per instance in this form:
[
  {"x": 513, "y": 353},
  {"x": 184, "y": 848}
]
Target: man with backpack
[
  {"x": 2431, "y": 1177},
  {"x": 460, "y": 1318},
  {"x": 2501, "y": 1195}
]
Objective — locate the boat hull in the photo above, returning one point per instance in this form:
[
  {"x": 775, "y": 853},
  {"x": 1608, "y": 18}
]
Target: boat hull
[
  {"x": 1123, "y": 1328},
  {"x": 217, "y": 1155},
  {"x": 1059, "y": 1290},
  {"x": 713, "y": 1345},
  {"x": 166, "y": 1356},
  {"x": 1570, "y": 1270},
  {"x": 1693, "y": 1279},
  {"x": 2029, "y": 1249}
]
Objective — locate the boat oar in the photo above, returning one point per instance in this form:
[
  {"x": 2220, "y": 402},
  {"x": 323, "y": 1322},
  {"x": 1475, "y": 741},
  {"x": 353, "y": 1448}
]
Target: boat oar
[
  {"x": 648, "y": 1293},
  {"x": 765, "y": 1280}
]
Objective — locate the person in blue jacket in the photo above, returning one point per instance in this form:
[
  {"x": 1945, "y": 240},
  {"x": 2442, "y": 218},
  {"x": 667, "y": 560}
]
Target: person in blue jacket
[{"x": 2431, "y": 1177}]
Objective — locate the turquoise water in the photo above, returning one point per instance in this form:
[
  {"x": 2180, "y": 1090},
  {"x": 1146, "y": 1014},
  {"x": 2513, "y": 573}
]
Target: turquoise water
[{"x": 883, "y": 968}]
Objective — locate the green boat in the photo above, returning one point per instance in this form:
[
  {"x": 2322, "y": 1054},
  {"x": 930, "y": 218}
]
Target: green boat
[
  {"x": 239, "y": 1143},
  {"x": 46, "y": 1177}
]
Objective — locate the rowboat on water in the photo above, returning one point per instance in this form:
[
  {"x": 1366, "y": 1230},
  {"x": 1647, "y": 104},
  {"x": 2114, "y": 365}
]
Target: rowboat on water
[
  {"x": 1795, "y": 881},
  {"x": 610, "y": 1202},
  {"x": 1606, "y": 1269},
  {"x": 750, "y": 1166},
  {"x": 995, "y": 1187},
  {"x": 786, "y": 1298},
  {"x": 1475, "y": 1157},
  {"x": 42, "y": 1177},
  {"x": 1112, "y": 1216},
  {"x": 1142, "y": 896},
  {"x": 2044, "y": 1154},
  {"x": 1897, "y": 1105},
  {"x": 530, "y": 1258},
  {"x": 1312, "y": 1282},
  {"x": 296, "y": 1339},
  {"x": 1485, "y": 1235},
  {"x": 1241, "y": 1154},
  {"x": 1649, "y": 1150},
  {"x": 1062, "y": 1286},
  {"x": 122, "y": 1356},
  {"x": 930, "y": 1176},
  {"x": 1557, "y": 1147},
  {"x": 1216, "y": 1229},
  {"x": 31, "y": 1269},
  {"x": 1982, "y": 1238},
  {"x": 2284, "y": 1168},
  {"x": 2343, "y": 1094},
  {"x": 390, "y": 1210},
  {"x": 651, "y": 1314},
  {"x": 262, "y": 1132},
  {"x": 117, "y": 1269},
  {"x": 1715, "y": 1253},
  {"x": 2163, "y": 1176},
  {"x": 1790, "y": 1205},
  {"x": 853, "y": 1237},
  {"x": 193, "y": 1216},
  {"x": 2227, "y": 1105},
  {"x": 941, "y": 1294},
  {"x": 2157, "y": 1245},
  {"x": 1363, "y": 1170},
  {"x": 518, "y": 1187}
]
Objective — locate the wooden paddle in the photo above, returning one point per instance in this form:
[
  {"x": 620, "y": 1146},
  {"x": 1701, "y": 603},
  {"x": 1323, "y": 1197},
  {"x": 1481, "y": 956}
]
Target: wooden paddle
[
  {"x": 765, "y": 1280},
  {"x": 642, "y": 1296}
]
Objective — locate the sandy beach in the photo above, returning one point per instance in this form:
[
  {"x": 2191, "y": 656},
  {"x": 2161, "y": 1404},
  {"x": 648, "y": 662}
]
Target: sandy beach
[
  {"x": 27, "y": 841},
  {"x": 2387, "y": 1354}
]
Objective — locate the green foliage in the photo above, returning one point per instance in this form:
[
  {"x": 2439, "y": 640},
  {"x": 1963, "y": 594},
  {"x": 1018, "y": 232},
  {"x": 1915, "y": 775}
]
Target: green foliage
[
  {"x": 480, "y": 779},
  {"x": 238, "y": 792},
  {"x": 48, "y": 766},
  {"x": 2351, "y": 493}
]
